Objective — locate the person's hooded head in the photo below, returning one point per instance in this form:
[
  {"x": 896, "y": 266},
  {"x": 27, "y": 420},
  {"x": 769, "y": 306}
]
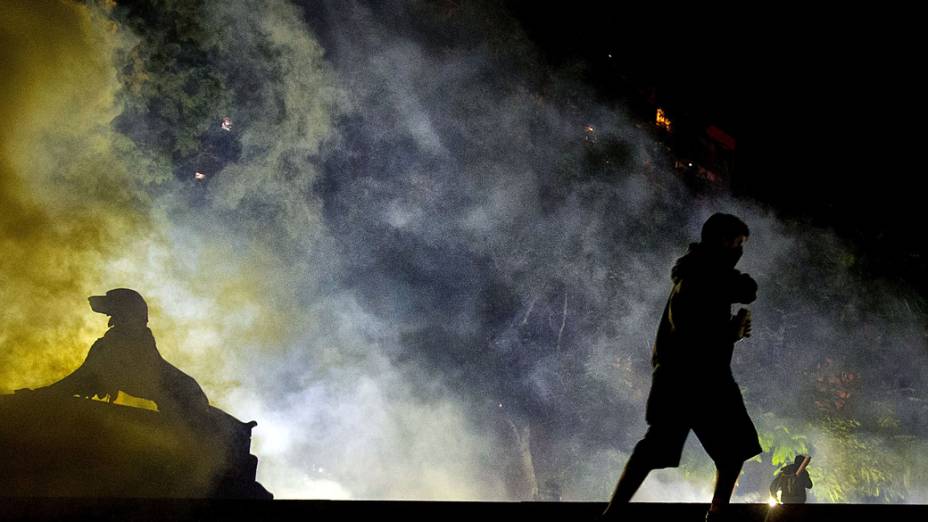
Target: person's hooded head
[
  {"x": 798, "y": 460},
  {"x": 124, "y": 306},
  {"x": 722, "y": 238}
]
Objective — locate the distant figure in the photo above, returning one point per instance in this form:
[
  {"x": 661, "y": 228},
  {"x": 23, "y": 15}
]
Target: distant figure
[
  {"x": 126, "y": 359},
  {"x": 218, "y": 147},
  {"x": 792, "y": 482},
  {"x": 692, "y": 384}
]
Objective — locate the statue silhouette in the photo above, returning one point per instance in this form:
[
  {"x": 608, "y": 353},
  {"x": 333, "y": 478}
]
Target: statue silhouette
[
  {"x": 126, "y": 359},
  {"x": 55, "y": 442}
]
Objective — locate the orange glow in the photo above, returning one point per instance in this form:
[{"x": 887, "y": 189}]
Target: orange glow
[
  {"x": 589, "y": 133},
  {"x": 662, "y": 120}
]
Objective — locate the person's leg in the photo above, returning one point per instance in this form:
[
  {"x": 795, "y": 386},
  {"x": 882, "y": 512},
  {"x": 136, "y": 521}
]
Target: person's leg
[
  {"x": 636, "y": 470},
  {"x": 661, "y": 447},
  {"x": 729, "y": 437},
  {"x": 726, "y": 475}
]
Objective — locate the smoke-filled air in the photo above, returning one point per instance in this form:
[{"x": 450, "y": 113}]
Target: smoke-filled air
[{"x": 382, "y": 231}]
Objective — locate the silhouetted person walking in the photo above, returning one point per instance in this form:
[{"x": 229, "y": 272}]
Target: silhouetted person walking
[
  {"x": 792, "y": 482},
  {"x": 126, "y": 359},
  {"x": 692, "y": 384}
]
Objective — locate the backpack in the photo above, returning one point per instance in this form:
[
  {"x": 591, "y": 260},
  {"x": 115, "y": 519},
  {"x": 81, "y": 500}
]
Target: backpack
[
  {"x": 788, "y": 483},
  {"x": 790, "y": 486}
]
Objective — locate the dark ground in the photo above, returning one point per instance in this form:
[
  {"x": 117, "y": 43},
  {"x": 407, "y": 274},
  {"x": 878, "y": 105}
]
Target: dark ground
[{"x": 230, "y": 510}]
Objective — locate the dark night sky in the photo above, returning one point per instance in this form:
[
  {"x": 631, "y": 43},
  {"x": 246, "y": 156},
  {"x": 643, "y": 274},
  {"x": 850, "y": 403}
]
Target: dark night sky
[{"x": 824, "y": 110}]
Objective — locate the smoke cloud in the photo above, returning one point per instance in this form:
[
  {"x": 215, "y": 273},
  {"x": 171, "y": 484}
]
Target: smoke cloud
[{"x": 413, "y": 266}]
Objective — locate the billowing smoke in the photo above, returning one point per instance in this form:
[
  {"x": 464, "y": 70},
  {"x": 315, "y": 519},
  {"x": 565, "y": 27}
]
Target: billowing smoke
[
  {"x": 68, "y": 202},
  {"x": 409, "y": 260}
]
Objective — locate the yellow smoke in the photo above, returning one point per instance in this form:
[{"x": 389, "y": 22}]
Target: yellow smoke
[
  {"x": 75, "y": 221},
  {"x": 64, "y": 203}
]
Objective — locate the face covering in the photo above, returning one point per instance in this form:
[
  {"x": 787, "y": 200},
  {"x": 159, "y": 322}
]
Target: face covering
[
  {"x": 732, "y": 256},
  {"x": 726, "y": 257}
]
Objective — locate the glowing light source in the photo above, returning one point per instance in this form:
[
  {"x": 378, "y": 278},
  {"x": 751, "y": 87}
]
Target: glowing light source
[
  {"x": 772, "y": 502},
  {"x": 662, "y": 120},
  {"x": 199, "y": 176},
  {"x": 589, "y": 133}
]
